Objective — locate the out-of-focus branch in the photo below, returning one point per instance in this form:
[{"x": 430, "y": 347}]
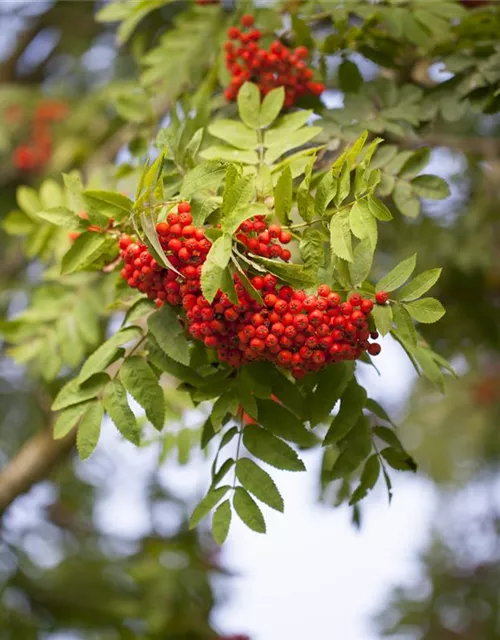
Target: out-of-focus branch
[{"x": 33, "y": 463}]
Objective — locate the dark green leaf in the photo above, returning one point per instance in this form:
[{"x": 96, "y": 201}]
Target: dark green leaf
[
  {"x": 259, "y": 483},
  {"x": 228, "y": 403},
  {"x": 89, "y": 429},
  {"x": 207, "y": 504},
  {"x": 116, "y": 405},
  {"x": 270, "y": 449},
  {"x": 221, "y": 522},
  {"x": 282, "y": 423},
  {"x": 140, "y": 381},
  {"x": 398, "y": 459},
  {"x": 168, "y": 333},
  {"x": 350, "y": 78},
  {"x": 388, "y": 436},
  {"x": 369, "y": 477},
  {"x": 332, "y": 382},
  {"x": 352, "y": 404},
  {"x": 248, "y": 510}
]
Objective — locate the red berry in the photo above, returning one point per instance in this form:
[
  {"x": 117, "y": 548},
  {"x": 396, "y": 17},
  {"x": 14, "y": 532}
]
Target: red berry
[
  {"x": 374, "y": 349},
  {"x": 381, "y": 297},
  {"x": 366, "y": 306},
  {"x": 324, "y": 290},
  {"x": 247, "y": 20},
  {"x": 183, "y": 207}
]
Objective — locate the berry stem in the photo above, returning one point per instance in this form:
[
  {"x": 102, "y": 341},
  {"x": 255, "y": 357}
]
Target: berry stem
[{"x": 238, "y": 445}]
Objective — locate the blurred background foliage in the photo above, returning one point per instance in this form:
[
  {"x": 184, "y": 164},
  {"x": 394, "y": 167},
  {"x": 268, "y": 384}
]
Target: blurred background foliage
[{"x": 61, "y": 568}]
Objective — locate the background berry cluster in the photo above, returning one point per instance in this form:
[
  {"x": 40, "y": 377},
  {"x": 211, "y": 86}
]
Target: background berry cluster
[{"x": 268, "y": 69}]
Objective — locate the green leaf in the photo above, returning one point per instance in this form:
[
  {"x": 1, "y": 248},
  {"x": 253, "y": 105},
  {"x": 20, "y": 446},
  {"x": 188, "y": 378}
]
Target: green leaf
[
  {"x": 363, "y": 259},
  {"x": 225, "y": 467},
  {"x": 325, "y": 193},
  {"x": 259, "y": 483},
  {"x": 305, "y": 203},
  {"x": 116, "y": 405},
  {"x": 86, "y": 248},
  {"x": 340, "y": 236},
  {"x": 73, "y": 393},
  {"x": 378, "y": 410},
  {"x": 419, "y": 285},
  {"x": 89, "y": 430},
  {"x": 312, "y": 249},
  {"x": 227, "y": 403},
  {"x": 353, "y": 153},
  {"x": 388, "y": 436},
  {"x": 283, "y": 196},
  {"x": 249, "y": 105},
  {"x": 351, "y": 408},
  {"x": 415, "y": 164},
  {"x": 350, "y": 79},
  {"x": 271, "y": 107},
  {"x": 429, "y": 368},
  {"x": 140, "y": 381},
  {"x": 274, "y": 417},
  {"x": 332, "y": 383},
  {"x": 293, "y": 274},
  {"x": 168, "y": 333},
  {"x": 61, "y": 217},
  {"x": 369, "y": 477},
  {"x": 18, "y": 223},
  {"x": 103, "y": 355},
  {"x": 148, "y": 224},
  {"x": 68, "y": 418},
  {"x": 221, "y": 522},
  {"x": 405, "y": 201},
  {"x": 344, "y": 185},
  {"x": 248, "y": 510},
  {"x": 270, "y": 449},
  {"x": 432, "y": 187},
  {"x": 382, "y": 315},
  {"x": 109, "y": 203},
  {"x": 134, "y": 106},
  {"x": 354, "y": 448},
  {"x": 399, "y": 275},
  {"x": 206, "y": 176},
  {"x": 213, "y": 268},
  {"x": 363, "y": 224},
  {"x": 234, "y": 133},
  {"x": 404, "y": 324},
  {"x": 398, "y": 459},
  {"x": 28, "y": 200},
  {"x": 426, "y": 310},
  {"x": 378, "y": 209},
  {"x": 207, "y": 504}
]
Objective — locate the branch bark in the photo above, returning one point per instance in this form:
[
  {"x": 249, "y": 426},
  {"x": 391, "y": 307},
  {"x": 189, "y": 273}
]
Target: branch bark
[{"x": 33, "y": 463}]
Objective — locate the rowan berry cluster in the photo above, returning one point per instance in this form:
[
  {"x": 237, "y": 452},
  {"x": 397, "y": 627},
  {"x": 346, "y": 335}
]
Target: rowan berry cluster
[
  {"x": 297, "y": 331},
  {"x": 264, "y": 240},
  {"x": 268, "y": 69},
  {"x": 33, "y": 156}
]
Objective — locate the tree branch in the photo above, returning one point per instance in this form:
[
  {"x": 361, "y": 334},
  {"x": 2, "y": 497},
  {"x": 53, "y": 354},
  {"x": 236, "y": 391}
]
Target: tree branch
[{"x": 33, "y": 463}]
